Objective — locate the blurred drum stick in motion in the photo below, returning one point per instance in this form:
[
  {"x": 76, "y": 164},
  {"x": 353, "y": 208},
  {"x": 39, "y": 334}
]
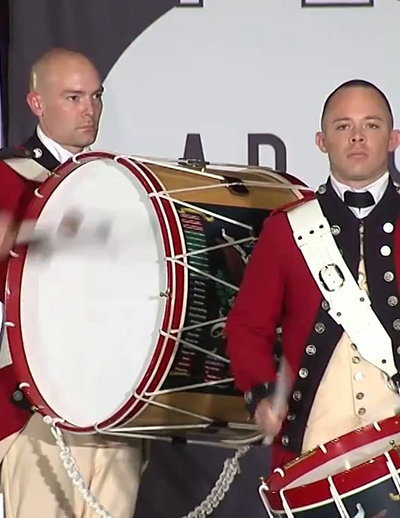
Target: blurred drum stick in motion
[{"x": 282, "y": 392}]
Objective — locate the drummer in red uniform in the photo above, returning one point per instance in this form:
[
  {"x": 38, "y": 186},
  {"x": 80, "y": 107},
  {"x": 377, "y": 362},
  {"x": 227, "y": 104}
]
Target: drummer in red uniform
[
  {"x": 66, "y": 97},
  {"x": 314, "y": 270}
]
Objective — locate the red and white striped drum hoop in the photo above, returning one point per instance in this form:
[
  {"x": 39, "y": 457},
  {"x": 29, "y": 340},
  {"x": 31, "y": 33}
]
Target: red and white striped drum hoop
[{"x": 355, "y": 473}]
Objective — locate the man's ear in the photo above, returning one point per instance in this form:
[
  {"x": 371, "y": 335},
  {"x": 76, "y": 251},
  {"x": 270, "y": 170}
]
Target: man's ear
[
  {"x": 320, "y": 141},
  {"x": 35, "y": 103},
  {"x": 394, "y": 140}
]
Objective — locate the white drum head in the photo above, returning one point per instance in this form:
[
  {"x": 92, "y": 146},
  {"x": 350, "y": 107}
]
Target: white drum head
[
  {"x": 346, "y": 461},
  {"x": 90, "y": 305}
]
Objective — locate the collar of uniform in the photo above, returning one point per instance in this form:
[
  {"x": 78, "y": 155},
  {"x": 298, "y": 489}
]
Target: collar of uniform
[
  {"x": 388, "y": 209},
  {"x": 39, "y": 152},
  {"x": 61, "y": 154},
  {"x": 376, "y": 188}
]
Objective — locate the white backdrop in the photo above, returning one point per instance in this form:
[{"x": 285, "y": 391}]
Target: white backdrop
[{"x": 231, "y": 68}]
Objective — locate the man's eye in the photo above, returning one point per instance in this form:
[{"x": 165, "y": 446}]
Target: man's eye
[
  {"x": 98, "y": 96},
  {"x": 372, "y": 125},
  {"x": 342, "y": 127},
  {"x": 72, "y": 97}
]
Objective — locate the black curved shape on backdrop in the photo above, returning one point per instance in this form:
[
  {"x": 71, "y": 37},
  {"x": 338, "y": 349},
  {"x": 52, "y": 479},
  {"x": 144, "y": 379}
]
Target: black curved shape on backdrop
[{"x": 99, "y": 28}]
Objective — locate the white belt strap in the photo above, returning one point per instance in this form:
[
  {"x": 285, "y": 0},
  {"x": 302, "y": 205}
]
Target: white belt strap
[
  {"x": 349, "y": 305},
  {"x": 28, "y": 169}
]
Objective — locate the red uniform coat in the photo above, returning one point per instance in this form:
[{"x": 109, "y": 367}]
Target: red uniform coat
[
  {"x": 278, "y": 290},
  {"x": 15, "y": 195}
]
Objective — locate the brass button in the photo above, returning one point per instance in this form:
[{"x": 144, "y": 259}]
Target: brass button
[
  {"x": 392, "y": 301},
  {"x": 361, "y": 411},
  {"x": 311, "y": 350},
  {"x": 297, "y": 395},
  {"x": 354, "y": 347},
  {"x": 320, "y": 327},
  {"x": 398, "y": 350},
  {"x": 396, "y": 324},
  {"x": 285, "y": 440},
  {"x": 359, "y": 395},
  {"x": 358, "y": 376},
  {"x": 356, "y": 359},
  {"x": 388, "y": 276},
  {"x": 385, "y": 250},
  {"x": 321, "y": 189},
  {"x": 303, "y": 373},
  {"x": 291, "y": 417}
]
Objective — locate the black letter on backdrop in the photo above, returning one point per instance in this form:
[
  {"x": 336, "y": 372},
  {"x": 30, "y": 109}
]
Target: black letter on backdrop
[{"x": 255, "y": 140}]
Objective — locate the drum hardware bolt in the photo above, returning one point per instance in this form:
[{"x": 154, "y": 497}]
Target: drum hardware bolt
[
  {"x": 166, "y": 293},
  {"x": 17, "y": 396},
  {"x": 23, "y": 385},
  {"x": 37, "y": 194}
]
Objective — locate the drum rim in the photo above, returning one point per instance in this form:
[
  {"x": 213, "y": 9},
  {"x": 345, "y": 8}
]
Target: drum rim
[
  {"x": 347, "y": 483},
  {"x": 319, "y": 490},
  {"x": 165, "y": 348}
]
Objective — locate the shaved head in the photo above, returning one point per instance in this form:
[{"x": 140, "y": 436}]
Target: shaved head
[
  {"x": 65, "y": 94},
  {"x": 47, "y": 66}
]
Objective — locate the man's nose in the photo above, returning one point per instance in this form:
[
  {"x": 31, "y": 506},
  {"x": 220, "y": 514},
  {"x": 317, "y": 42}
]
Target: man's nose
[
  {"x": 357, "y": 138},
  {"x": 88, "y": 107}
]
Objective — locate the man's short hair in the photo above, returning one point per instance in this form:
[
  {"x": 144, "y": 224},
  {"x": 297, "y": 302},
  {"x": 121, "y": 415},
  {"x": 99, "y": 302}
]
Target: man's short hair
[{"x": 357, "y": 83}]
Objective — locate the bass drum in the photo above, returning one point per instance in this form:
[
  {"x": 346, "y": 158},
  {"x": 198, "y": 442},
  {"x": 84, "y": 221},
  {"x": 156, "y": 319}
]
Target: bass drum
[{"x": 116, "y": 314}]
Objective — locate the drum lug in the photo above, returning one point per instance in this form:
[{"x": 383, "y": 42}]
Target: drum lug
[
  {"x": 19, "y": 399},
  {"x": 195, "y": 163}
]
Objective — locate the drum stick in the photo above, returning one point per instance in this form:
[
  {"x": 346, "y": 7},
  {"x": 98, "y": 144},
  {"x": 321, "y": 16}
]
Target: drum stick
[
  {"x": 282, "y": 392},
  {"x": 28, "y": 233}
]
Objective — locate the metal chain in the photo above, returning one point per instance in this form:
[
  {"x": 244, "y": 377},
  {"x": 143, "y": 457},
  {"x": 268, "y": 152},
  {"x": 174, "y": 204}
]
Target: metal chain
[
  {"x": 211, "y": 502},
  {"x": 205, "y": 508}
]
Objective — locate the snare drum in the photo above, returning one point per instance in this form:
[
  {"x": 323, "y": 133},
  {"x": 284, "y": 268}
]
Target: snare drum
[
  {"x": 354, "y": 476},
  {"x": 118, "y": 315}
]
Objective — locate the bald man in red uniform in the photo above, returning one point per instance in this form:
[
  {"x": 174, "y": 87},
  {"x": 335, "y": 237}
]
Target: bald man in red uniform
[{"x": 66, "y": 97}]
